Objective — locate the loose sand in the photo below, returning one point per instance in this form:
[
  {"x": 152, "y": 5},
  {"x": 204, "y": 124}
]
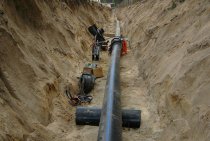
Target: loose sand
[
  {"x": 170, "y": 43},
  {"x": 43, "y": 48},
  {"x": 166, "y": 73}
]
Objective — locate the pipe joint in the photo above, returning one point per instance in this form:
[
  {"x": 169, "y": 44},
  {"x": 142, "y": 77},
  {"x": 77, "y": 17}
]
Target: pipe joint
[{"x": 116, "y": 39}]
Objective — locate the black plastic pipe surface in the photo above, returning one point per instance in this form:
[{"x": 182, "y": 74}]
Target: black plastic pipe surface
[
  {"x": 91, "y": 116},
  {"x": 110, "y": 127}
]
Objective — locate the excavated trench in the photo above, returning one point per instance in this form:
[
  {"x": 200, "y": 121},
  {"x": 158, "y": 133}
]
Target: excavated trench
[{"x": 44, "y": 46}]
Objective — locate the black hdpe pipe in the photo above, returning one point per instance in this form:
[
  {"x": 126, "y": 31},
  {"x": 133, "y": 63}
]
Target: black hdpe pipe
[
  {"x": 110, "y": 127},
  {"x": 91, "y": 116}
]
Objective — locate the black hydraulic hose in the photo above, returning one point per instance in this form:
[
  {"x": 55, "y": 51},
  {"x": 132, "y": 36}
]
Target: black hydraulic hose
[{"x": 110, "y": 127}]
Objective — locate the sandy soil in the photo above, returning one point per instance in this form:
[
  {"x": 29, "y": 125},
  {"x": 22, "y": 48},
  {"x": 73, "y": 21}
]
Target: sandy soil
[
  {"x": 43, "y": 48},
  {"x": 170, "y": 43},
  {"x": 166, "y": 74}
]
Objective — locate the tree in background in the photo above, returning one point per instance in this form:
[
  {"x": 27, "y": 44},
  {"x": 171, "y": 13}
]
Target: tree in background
[
  {"x": 118, "y": 1},
  {"x": 111, "y": 1}
]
